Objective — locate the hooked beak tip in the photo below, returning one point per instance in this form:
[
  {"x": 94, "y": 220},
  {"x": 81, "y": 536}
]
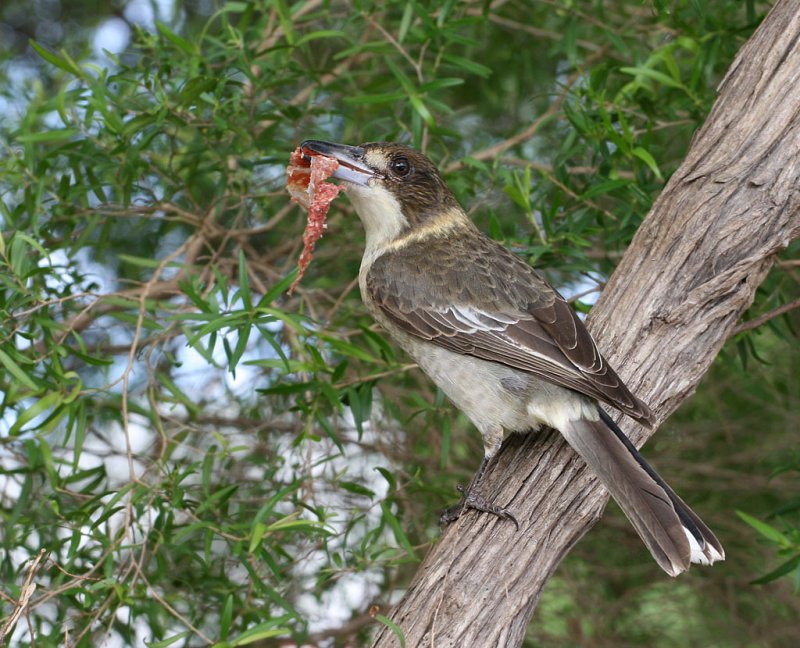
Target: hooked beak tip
[{"x": 352, "y": 168}]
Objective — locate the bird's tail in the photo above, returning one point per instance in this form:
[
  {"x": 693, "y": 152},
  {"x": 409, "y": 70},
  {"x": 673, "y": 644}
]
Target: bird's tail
[{"x": 671, "y": 531}]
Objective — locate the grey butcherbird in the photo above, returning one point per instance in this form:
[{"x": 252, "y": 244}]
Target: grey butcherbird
[{"x": 498, "y": 340}]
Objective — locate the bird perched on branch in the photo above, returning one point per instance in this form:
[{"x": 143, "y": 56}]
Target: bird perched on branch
[{"x": 499, "y": 341}]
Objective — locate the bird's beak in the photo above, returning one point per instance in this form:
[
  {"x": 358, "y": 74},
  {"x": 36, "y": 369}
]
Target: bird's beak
[{"x": 350, "y": 158}]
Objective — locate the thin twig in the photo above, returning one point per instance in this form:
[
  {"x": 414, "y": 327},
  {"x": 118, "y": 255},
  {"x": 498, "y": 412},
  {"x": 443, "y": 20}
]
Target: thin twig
[
  {"x": 492, "y": 152},
  {"x": 26, "y": 591},
  {"x": 749, "y": 325}
]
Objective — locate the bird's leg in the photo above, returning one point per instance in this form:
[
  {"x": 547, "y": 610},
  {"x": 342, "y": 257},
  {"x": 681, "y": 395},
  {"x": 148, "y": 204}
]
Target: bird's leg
[{"x": 471, "y": 500}]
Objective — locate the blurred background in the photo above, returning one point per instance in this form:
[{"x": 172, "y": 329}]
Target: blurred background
[{"x": 190, "y": 456}]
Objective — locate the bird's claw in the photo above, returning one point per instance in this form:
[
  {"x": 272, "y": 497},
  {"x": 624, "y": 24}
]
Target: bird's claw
[{"x": 477, "y": 503}]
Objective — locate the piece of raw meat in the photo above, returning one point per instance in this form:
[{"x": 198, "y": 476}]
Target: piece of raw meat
[{"x": 305, "y": 181}]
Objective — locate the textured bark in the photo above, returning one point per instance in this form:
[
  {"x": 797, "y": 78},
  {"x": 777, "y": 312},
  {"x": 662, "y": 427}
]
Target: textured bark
[{"x": 689, "y": 274}]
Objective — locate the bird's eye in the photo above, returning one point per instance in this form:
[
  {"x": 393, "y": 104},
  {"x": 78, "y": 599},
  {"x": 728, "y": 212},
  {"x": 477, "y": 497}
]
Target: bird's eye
[{"x": 401, "y": 166}]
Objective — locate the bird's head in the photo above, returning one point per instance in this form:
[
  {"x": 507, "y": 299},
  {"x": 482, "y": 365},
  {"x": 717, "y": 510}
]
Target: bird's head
[{"x": 395, "y": 190}]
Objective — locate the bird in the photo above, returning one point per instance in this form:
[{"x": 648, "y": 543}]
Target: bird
[{"x": 503, "y": 345}]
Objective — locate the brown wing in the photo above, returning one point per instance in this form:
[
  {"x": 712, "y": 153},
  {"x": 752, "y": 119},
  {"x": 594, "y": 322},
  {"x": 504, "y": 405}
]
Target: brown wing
[{"x": 483, "y": 301}]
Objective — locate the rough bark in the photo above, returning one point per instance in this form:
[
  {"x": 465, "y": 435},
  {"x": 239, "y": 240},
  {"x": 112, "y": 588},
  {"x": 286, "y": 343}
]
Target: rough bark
[{"x": 689, "y": 274}]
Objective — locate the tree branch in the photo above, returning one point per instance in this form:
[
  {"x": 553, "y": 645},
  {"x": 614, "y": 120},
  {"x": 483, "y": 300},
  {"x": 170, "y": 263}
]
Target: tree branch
[{"x": 762, "y": 319}]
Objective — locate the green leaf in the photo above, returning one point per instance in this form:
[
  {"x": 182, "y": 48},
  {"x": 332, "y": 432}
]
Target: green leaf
[
  {"x": 17, "y": 372},
  {"x": 655, "y": 75},
  {"x": 389, "y": 477},
  {"x": 49, "y": 136},
  {"x": 169, "y": 641},
  {"x": 181, "y": 43},
  {"x": 402, "y": 77},
  {"x": 468, "y": 65},
  {"x": 356, "y": 489},
  {"x": 604, "y": 187},
  {"x": 276, "y": 291},
  {"x": 385, "y": 97},
  {"x": 290, "y": 523},
  {"x": 648, "y": 159},
  {"x": 244, "y": 282},
  {"x": 142, "y": 262},
  {"x": 285, "y": 18},
  {"x": 257, "y": 535},
  {"x": 217, "y": 499},
  {"x": 769, "y": 532},
  {"x": 422, "y": 110},
  {"x": 65, "y": 63},
  {"x": 47, "y": 402},
  {"x": 783, "y": 569},
  {"x": 261, "y": 631},
  {"x": 397, "y": 530},
  {"x": 320, "y": 34},
  {"x": 405, "y": 22},
  {"x": 226, "y": 617},
  {"x": 396, "y": 629},
  {"x": 172, "y": 388},
  {"x": 440, "y": 84},
  {"x": 348, "y": 349}
]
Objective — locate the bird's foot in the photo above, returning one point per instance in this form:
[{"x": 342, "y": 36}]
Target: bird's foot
[{"x": 477, "y": 503}]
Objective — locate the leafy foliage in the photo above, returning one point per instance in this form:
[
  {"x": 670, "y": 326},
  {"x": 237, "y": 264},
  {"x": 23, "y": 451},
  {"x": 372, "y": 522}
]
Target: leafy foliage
[{"x": 204, "y": 459}]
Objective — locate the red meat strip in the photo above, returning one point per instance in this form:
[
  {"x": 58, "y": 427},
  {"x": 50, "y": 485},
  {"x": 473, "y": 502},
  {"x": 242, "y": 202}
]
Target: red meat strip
[{"x": 305, "y": 181}]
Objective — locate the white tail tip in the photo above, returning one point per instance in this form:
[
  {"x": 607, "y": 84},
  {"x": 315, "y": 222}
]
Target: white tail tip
[{"x": 704, "y": 554}]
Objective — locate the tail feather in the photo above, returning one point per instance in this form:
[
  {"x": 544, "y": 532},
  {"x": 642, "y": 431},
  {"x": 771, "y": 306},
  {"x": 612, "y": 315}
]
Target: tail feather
[{"x": 674, "y": 534}]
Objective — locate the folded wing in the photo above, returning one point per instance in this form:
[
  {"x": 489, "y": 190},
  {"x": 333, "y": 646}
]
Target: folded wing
[{"x": 488, "y": 303}]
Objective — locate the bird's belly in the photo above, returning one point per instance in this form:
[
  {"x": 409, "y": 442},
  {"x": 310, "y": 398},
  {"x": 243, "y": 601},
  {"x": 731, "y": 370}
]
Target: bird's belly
[
  {"x": 495, "y": 396},
  {"x": 492, "y": 396}
]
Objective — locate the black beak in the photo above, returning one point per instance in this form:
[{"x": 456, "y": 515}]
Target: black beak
[{"x": 352, "y": 167}]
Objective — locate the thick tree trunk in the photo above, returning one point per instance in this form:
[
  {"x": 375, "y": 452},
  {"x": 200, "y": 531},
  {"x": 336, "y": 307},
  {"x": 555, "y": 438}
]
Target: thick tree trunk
[{"x": 689, "y": 274}]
